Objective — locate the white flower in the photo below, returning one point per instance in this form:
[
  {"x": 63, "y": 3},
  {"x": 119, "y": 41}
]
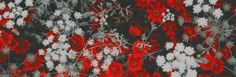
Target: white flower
[
  {"x": 94, "y": 63},
  {"x": 99, "y": 55},
  {"x": 206, "y": 7},
  {"x": 55, "y": 56},
  {"x": 50, "y": 65},
  {"x": 6, "y": 14},
  {"x": 24, "y": 13},
  {"x": 169, "y": 45},
  {"x": 18, "y": 2},
  {"x": 55, "y": 30},
  {"x": 49, "y": 23},
  {"x": 106, "y": 50},
  {"x": 71, "y": 54},
  {"x": 191, "y": 73},
  {"x": 41, "y": 52},
  {"x": 60, "y": 68},
  {"x": 66, "y": 16},
  {"x": 45, "y": 42},
  {"x": 202, "y": 22},
  {"x": 217, "y": 13},
  {"x": 188, "y": 3},
  {"x": 197, "y": 8},
  {"x": 175, "y": 74},
  {"x": 170, "y": 56},
  {"x": 167, "y": 67},
  {"x": 57, "y": 12},
  {"x": 90, "y": 42},
  {"x": 200, "y": 1},
  {"x": 189, "y": 50},
  {"x": 11, "y": 15},
  {"x": 20, "y": 21},
  {"x": 213, "y": 2},
  {"x": 79, "y": 31},
  {"x": 77, "y": 15},
  {"x": 29, "y": 2},
  {"x": 191, "y": 62},
  {"x": 63, "y": 59},
  {"x": 2, "y": 5},
  {"x": 179, "y": 47},
  {"x": 55, "y": 46},
  {"x": 96, "y": 70},
  {"x": 10, "y": 24},
  {"x": 160, "y": 60},
  {"x": 114, "y": 51},
  {"x": 11, "y": 5},
  {"x": 60, "y": 22},
  {"x": 62, "y": 38}
]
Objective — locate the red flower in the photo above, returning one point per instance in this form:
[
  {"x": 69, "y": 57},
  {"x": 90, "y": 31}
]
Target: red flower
[
  {"x": 22, "y": 46},
  {"x": 134, "y": 31},
  {"x": 33, "y": 62},
  {"x": 209, "y": 64},
  {"x": 2, "y": 44},
  {"x": 155, "y": 74},
  {"x": 134, "y": 63},
  {"x": 184, "y": 14},
  {"x": 115, "y": 70},
  {"x": 176, "y": 4},
  {"x": 28, "y": 19},
  {"x": 155, "y": 12},
  {"x": 6, "y": 37},
  {"x": 190, "y": 32},
  {"x": 218, "y": 67},
  {"x": 201, "y": 75},
  {"x": 77, "y": 42},
  {"x": 219, "y": 3},
  {"x": 142, "y": 73},
  {"x": 140, "y": 48},
  {"x": 3, "y": 57},
  {"x": 130, "y": 73},
  {"x": 170, "y": 28},
  {"x": 143, "y": 3},
  {"x": 4, "y": 21}
]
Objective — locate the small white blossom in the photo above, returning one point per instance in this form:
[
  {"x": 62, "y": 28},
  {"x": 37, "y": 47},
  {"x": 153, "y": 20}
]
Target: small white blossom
[
  {"x": 24, "y": 13},
  {"x": 213, "y": 2},
  {"x": 18, "y": 2},
  {"x": 11, "y": 15},
  {"x": 94, "y": 63},
  {"x": 79, "y": 31},
  {"x": 50, "y": 65},
  {"x": 217, "y": 13},
  {"x": 179, "y": 47},
  {"x": 175, "y": 74},
  {"x": 106, "y": 50},
  {"x": 169, "y": 45},
  {"x": 197, "y": 9},
  {"x": 202, "y": 22},
  {"x": 29, "y": 2},
  {"x": 62, "y": 38},
  {"x": 10, "y": 24},
  {"x": 49, "y": 23},
  {"x": 6, "y": 14},
  {"x": 90, "y": 42},
  {"x": 41, "y": 52},
  {"x": 167, "y": 67},
  {"x": 11, "y": 5},
  {"x": 57, "y": 12},
  {"x": 60, "y": 68},
  {"x": 160, "y": 60},
  {"x": 170, "y": 56},
  {"x": 188, "y": 3},
  {"x": 189, "y": 50},
  {"x": 191, "y": 73},
  {"x": 63, "y": 59},
  {"x": 206, "y": 7},
  {"x": 77, "y": 15},
  {"x": 55, "y": 57},
  {"x": 96, "y": 70},
  {"x": 66, "y": 16},
  {"x": 20, "y": 21},
  {"x": 2, "y": 5}
]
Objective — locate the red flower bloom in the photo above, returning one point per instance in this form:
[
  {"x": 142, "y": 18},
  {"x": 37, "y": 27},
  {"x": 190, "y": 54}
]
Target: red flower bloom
[
  {"x": 130, "y": 73},
  {"x": 176, "y": 4},
  {"x": 140, "y": 48},
  {"x": 218, "y": 67},
  {"x": 209, "y": 64},
  {"x": 22, "y": 46},
  {"x": 3, "y": 57},
  {"x": 170, "y": 28},
  {"x": 142, "y": 73},
  {"x": 134, "y": 31},
  {"x": 4, "y": 21},
  {"x": 201, "y": 75},
  {"x": 155, "y": 74},
  {"x": 155, "y": 12},
  {"x": 184, "y": 14},
  {"x": 219, "y": 3},
  {"x": 6, "y": 37},
  {"x": 28, "y": 19},
  {"x": 134, "y": 63},
  {"x": 77, "y": 42},
  {"x": 33, "y": 62},
  {"x": 190, "y": 32},
  {"x": 115, "y": 70},
  {"x": 143, "y": 3}
]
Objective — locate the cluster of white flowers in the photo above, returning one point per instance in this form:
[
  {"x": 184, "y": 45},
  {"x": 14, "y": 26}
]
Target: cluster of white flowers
[
  {"x": 180, "y": 62},
  {"x": 15, "y": 13},
  {"x": 168, "y": 16}
]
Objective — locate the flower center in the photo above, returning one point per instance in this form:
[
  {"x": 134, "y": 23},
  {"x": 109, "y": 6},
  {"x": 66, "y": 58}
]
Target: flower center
[
  {"x": 156, "y": 13},
  {"x": 114, "y": 70},
  {"x": 178, "y": 2},
  {"x": 133, "y": 63},
  {"x": 140, "y": 74}
]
